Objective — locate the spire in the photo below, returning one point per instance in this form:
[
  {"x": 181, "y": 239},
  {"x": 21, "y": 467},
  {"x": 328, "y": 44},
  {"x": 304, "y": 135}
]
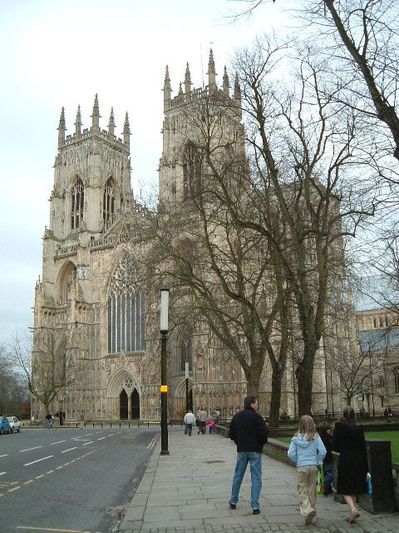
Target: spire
[
  {"x": 61, "y": 129},
  {"x": 226, "y": 82},
  {"x": 167, "y": 91},
  {"x": 95, "y": 117},
  {"x": 237, "y": 91},
  {"x": 126, "y": 131},
  {"x": 187, "y": 82},
  {"x": 180, "y": 89},
  {"x": 78, "y": 124},
  {"x": 211, "y": 74},
  {"x": 111, "y": 124}
]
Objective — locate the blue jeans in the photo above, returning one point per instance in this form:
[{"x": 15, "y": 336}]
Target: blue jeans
[
  {"x": 328, "y": 477},
  {"x": 255, "y": 461}
]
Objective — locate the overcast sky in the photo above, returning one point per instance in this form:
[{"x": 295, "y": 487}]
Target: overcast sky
[{"x": 56, "y": 53}]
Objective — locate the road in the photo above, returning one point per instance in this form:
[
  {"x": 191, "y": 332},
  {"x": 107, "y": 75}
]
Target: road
[{"x": 70, "y": 480}]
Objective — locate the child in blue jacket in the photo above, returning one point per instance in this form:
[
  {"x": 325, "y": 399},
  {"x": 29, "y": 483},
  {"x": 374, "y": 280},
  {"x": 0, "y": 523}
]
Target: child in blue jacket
[{"x": 307, "y": 451}]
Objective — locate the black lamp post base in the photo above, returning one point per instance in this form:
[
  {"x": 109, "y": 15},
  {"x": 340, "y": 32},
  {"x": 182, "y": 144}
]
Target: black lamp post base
[{"x": 164, "y": 452}]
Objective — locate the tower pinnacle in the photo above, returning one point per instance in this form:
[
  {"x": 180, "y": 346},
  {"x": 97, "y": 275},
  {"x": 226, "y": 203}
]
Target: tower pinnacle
[
  {"x": 225, "y": 82},
  {"x": 187, "y": 82},
  {"x": 167, "y": 91},
  {"x": 61, "y": 129},
  {"x": 95, "y": 122},
  {"x": 237, "y": 91},
  {"x": 111, "y": 124},
  {"x": 78, "y": 124},
  {"x": 126, "y": 131},
  {"x": 211, "y": 74}
]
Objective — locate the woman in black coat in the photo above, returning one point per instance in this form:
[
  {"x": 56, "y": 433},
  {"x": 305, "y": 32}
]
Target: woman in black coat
[{"x": 349, "y": 442}]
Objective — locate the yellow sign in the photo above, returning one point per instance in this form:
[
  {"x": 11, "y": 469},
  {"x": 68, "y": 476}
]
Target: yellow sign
[{"x": 164, "y": 388}]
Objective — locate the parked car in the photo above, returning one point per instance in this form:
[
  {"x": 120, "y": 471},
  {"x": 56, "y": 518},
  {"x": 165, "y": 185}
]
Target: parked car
[
  {"x": 4, "y": 425},
  {"x": 15, "y": 424}
]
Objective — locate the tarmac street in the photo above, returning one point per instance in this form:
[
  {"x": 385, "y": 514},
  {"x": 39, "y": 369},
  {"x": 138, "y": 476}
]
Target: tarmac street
[{"x": 189, "y": 490}]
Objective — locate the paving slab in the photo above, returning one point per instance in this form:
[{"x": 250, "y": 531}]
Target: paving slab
[{"x": 188, "y": 490}]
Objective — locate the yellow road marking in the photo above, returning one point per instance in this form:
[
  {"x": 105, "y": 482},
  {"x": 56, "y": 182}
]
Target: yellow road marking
[{"x": 14, "y": 489}]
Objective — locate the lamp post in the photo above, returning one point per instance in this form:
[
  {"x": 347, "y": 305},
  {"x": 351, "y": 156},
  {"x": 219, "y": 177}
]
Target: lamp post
[
  {"x": 186, "y": 374},
  {"x": 164, "y": 326}
]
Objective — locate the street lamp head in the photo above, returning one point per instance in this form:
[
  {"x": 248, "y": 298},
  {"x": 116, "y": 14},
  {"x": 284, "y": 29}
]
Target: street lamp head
[{"x": 164, "y": 323}]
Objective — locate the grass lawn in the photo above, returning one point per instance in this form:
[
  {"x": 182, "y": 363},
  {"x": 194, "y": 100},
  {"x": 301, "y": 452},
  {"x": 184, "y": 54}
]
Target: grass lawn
[{"x": 393, "y": 436}]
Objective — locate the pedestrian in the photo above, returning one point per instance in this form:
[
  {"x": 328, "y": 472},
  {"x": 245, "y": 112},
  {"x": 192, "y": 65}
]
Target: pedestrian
[
  {"x": 49, "y": 420},
  {"x": 202, "y": 418},
  {"x": 82, "y": 418},
  {"x": 210, "y": 424},
  {"x": 325, "y": 432},
  {"x": 307, "y": 451},
  {"x": 189, "y": 420},
  {"x": 349, "y": 442},
  {"x": 249, "y": 431}
]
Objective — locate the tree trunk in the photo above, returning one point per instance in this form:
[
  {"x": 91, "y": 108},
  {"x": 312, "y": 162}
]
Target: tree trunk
[
  {"x": 274, "y": 414},
  {"x": 304, "y": 376}
]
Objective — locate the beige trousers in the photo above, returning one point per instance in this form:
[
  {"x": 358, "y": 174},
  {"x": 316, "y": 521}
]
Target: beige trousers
[{"x": 307, "y": 479}]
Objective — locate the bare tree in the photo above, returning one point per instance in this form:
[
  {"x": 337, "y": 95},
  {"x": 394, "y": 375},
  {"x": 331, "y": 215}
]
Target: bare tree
[
  {"x": 50, "y": 367},
  {"x": 221, "y": 273},
  {"x": 302, "y": 148},
  {"x": 13, "y": 390}
]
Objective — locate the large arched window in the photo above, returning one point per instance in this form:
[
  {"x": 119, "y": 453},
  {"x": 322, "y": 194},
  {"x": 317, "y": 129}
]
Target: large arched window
[
  {"x": 109, "y": 204},
  {"x": 67, "y": 282},
  {"x": 191, "y": 171},
  {"x": 126, "y": 311},
  {"x": 396, "y": 377},
  {"x": 77, "y": 203},
  {"x": 185, "y": 348}
]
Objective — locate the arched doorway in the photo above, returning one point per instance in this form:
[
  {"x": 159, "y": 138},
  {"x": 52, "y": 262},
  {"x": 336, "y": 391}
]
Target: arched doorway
[
  {"x": 123, "y": 405},
  {"x": 135, "y": 399}
]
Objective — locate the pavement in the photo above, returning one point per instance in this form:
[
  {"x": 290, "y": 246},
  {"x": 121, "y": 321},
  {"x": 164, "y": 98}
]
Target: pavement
[{"x": 189, "y": 489}]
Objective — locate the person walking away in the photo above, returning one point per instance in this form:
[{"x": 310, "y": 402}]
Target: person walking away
[
  {"x": 202, "y": 418},
  {"x": 349, "y": 442},
  {"x": 189, "y": 420},
  {"x": 307, "y": 451},
  {"x": 210, "y": 424},
  {"x": 249, "y": 431},
  {"x": 49, "y": 420},
  {"x": 325, "y": 432}
]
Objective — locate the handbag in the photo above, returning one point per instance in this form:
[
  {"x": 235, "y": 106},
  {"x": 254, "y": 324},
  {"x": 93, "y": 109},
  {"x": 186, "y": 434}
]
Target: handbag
[{"x": 320, "y": 480}]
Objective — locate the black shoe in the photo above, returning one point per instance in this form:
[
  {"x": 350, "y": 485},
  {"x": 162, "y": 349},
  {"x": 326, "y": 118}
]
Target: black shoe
[
  {"x": 256, "y": 511},
  {"x": 232, "y": 505}
]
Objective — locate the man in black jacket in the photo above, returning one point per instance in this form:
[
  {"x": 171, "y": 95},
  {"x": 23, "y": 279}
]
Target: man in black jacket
[{"x": 248, "y": 430}]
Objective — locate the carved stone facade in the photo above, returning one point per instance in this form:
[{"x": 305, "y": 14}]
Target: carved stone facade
[{"x": 93, "y": 292}]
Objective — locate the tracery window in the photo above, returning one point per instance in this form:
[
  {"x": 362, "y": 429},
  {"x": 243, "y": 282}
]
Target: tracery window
[
  {"x": 109, "y": 204},
  {"x": 77, "y": 204},
  {"x": 126, "y": 311},
  {"x": 67, "y": 283},
  {"x": 396, "y": 375},
  {"x": 191, "y": 171},
  {"x": 185, "y": 348}
]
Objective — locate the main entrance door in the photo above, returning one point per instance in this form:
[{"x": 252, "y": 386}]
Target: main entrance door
[
  {"x": 123, "y": 405},
  {"x": 135, "y": 399}
]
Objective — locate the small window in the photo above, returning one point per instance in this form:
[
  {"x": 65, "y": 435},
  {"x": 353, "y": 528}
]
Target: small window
[{"x": 77, "y": 204}]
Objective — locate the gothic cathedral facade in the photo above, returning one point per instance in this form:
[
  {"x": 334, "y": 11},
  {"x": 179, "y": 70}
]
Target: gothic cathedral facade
[{"x": 96, "y": 324}]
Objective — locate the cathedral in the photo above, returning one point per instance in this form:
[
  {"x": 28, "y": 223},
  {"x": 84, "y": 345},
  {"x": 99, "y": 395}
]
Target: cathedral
[{"x": 96, "y": 316}]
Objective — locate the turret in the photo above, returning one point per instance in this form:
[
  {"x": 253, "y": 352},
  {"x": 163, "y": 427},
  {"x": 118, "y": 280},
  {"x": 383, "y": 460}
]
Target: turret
[
  {"x": 167, "y": 91},
  {"x": 78, "y": 124},
  {"x": 111, "y": 124},
  {"x": 226, "y": 82},
  {"x": 237, "y": 92},
  {"x": 61, "y": 129},
  {"x": 211, "y": 74},
  {"x": 95, "y": 117},
  {"x": 126, "y": 132},
  {"x": 187, "y": 83}
]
